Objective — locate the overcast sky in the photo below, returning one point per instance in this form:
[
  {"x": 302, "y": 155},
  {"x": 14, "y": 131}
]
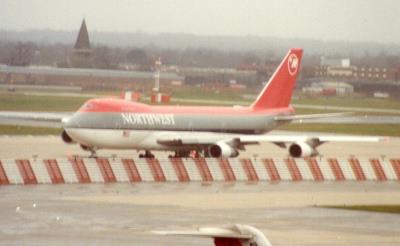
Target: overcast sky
[{"x": 368, "y": 20}]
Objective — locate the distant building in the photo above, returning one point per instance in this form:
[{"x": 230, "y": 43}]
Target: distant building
[
  {"x": 336, "y": 68},
  {"x": 374, "y": 73},
  {"x": 342, "y": 69},
  {"x": 378, "y": 94},
  {"x": 329, "y": 89},
  {"x": 195, "y": 75},
  {"x": 332, "y": 62},
  {"x": 82, "y": 52}
]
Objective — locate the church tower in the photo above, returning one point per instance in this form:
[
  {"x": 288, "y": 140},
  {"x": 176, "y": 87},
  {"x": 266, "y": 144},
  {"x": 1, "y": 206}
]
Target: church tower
[{"x": 82, "y": 53}]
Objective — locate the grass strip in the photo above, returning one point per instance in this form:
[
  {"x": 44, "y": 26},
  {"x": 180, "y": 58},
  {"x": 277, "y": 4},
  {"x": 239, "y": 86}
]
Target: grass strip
[
  {"x": 28, "y": 130},
  {"x": 394, "y": 209}
]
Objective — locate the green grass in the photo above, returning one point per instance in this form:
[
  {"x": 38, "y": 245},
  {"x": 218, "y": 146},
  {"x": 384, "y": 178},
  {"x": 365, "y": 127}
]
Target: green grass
[
  {"x": 357, "y": 129},
  {"x": 207, "y": 94},
  {"x": 395, "y": 209},
  {"x": 28, "y": 130},
  {"x": 231, "y": 95},
  {"x": 20, "y": 102}
]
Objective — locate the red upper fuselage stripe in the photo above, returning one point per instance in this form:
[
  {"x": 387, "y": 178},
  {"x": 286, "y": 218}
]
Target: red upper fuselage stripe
[{"x": 121, "y": 106}]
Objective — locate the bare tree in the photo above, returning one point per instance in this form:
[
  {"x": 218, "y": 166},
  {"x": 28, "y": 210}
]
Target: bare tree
[{"x": 22, "y": 54}]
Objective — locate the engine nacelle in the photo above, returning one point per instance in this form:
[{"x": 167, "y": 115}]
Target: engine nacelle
[
  {"x": 66, "y": 138},
  {"x": 222, "y": 150},
  {"x": 302, "y": 149},
  {"x": 85, "y": 148}
]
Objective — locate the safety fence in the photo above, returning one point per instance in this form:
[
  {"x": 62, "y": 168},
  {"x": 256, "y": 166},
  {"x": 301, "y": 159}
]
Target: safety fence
[{"x": 111, "y": 170}]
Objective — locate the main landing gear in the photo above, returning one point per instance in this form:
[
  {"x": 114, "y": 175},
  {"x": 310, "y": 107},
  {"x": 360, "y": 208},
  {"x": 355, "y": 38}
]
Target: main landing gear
[
  {"x": 92, "y": 150},
  {"x": 147, "y": 154},
  {"x": 178, "y": 154},
  {"x": 186, "y": 154}
]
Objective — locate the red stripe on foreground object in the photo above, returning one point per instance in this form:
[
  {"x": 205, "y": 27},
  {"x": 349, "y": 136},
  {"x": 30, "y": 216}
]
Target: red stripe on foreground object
[
  {"x": 203, "y": 169},
  {"x": 315, "y": 169},
  {"x": 220, "y": 241},
  {"x": 249, "y": 170},
  {"x": 357, "y": 170},
  {"x": 337, "y": 171},
  {"x": 378, "y": 169},
  {"x": 27, "y": 174},
  {"x": 106, "y": 170},
  {"x": 3, "y": 176},
  {"x": 131, "y": 170},
  {"x": 54, "y": 171},
  {"x": 293, "y": 169},
  {"x": 156, "y": 170},
  {"x": 180, "y": 169},
  {"x": 226, "y": 170},
  {"x": 271, "y": 169},
  {"x": 80, "y": 170},
  {"x": 396, "y": 167}
]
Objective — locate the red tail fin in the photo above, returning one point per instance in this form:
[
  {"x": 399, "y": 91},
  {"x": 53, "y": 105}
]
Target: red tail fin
[{"x": 278, "y": 91}]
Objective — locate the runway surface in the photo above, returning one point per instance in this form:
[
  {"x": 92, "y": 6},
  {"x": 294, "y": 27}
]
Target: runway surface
[{"x": 122, "y": 214}]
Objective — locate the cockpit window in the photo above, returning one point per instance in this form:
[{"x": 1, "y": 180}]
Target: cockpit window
[{"x": 87, "y": 106}]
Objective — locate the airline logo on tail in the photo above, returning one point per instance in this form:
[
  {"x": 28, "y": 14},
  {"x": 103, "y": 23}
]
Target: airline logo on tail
[{"x": 293, "y": 64}]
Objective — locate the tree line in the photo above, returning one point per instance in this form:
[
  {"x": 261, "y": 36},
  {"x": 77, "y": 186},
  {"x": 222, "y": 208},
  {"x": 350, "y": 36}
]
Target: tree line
[{"x": 143, "y": 58}]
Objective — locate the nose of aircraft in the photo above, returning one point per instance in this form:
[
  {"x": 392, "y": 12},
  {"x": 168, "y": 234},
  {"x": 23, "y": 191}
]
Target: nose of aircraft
[
  {"x": 65, "y": 121},
  {"x": 69, "y": 121}
]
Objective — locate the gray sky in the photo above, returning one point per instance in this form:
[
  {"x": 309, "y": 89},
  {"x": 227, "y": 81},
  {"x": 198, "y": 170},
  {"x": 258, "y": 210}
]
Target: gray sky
[{"x": 369, "y": 20}]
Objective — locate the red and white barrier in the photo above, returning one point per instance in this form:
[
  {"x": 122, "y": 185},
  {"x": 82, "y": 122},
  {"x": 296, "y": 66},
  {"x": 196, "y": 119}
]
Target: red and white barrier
[{"x": 111, "y": 170}]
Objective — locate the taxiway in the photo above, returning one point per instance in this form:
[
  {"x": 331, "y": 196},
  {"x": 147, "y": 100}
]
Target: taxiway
[
  {"x": 52, "y": 147},
  {"x": 122, "y": 214}
]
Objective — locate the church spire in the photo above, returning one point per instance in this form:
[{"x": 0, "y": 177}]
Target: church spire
[
  {"x": 81, "y": 56},
  {"x": 82, "y": 42}
]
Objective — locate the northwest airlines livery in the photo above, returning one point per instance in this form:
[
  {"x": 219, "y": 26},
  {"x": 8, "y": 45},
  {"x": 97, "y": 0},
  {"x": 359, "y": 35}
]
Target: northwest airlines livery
[{"x": 209, "y": 131}]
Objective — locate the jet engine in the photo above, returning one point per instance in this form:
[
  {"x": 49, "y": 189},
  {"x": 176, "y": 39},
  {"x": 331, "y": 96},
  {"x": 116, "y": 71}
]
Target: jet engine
[
  {"x": 85, "y": 148},
  {"x": 66, "y": 138},
  {"x": 302, "y": 149},
  {"x": 222, "y": 150}
]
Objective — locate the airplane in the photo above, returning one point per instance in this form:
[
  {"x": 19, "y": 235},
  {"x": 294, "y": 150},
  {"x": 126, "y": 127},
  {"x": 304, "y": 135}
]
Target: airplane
[
  {"x": 236, "y": 235},
  {"x": 209, "y": 131}
]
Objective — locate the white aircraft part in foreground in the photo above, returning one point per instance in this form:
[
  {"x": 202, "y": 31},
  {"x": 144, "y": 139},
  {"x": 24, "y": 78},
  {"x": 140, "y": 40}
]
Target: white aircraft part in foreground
[{"x": 237, "y": 235}]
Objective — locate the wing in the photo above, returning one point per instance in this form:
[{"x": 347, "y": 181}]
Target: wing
[
  {"x": 211, "y": 232},
  {"x": 227, "y": 145},
  {"x": 49, "y": 119},
  {"x": 200, "y": 138},
  {"x": 305, "y": 138},
  {"x": 231, "y": 235}
]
